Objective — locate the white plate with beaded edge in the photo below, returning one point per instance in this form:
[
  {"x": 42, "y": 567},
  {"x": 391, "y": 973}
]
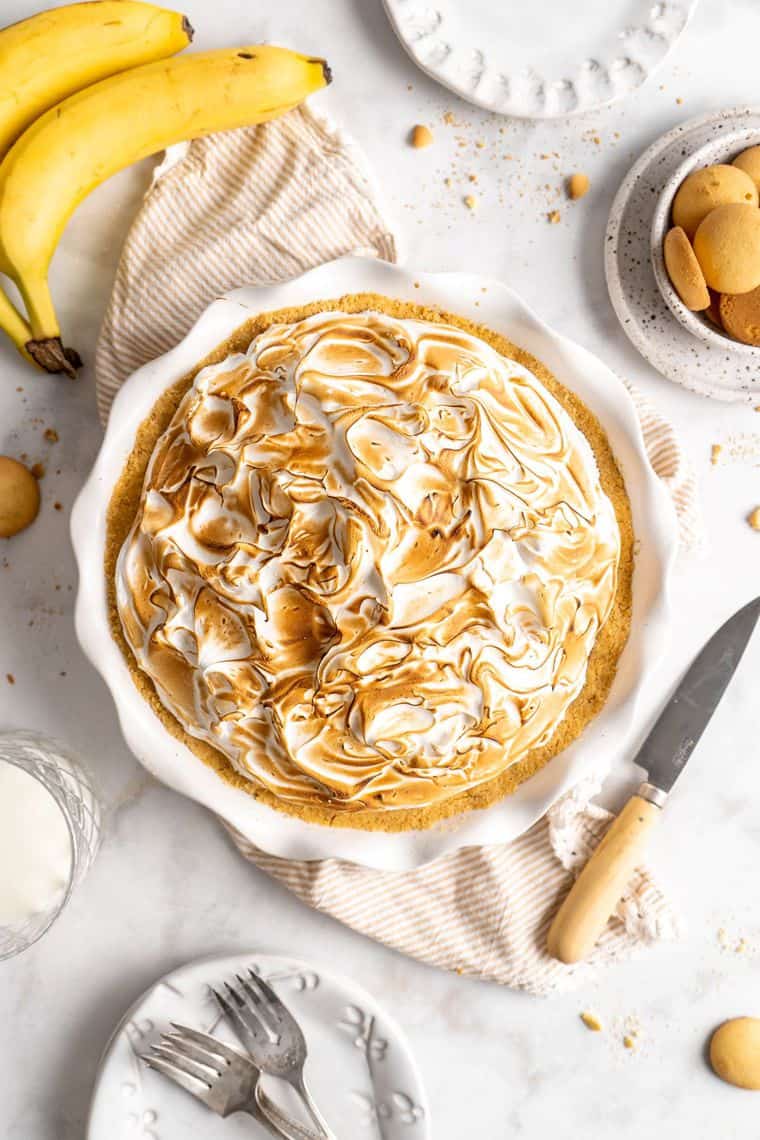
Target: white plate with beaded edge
[
  {"x": 531, "y": 60},
  {"x": 604, "y": 740},
  {"x": 359, "y": 1069}
]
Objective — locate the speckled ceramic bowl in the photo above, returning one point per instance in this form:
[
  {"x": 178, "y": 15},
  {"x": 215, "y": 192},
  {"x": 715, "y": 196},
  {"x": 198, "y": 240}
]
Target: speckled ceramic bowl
[{"x": 722, "y": 148}]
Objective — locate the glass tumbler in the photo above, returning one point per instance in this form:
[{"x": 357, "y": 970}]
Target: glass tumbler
[{"x": 72, "y": 794}]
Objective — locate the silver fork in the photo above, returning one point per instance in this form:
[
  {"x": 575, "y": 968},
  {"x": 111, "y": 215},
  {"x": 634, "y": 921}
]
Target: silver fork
[
  {"x": 271, "y": 1034},
  {"x": 222, "y": 1078}
]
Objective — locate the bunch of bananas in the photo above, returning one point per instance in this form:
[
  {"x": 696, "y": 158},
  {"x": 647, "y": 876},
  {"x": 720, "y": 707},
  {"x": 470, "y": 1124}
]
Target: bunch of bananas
[{"x": 87, "y": 89}]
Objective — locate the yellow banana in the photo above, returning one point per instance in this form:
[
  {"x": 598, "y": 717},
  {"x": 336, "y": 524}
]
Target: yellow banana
[
  {"x": 78, "y": 144},
  {"x": 53, "y": 54},
  {"x": 14, "y": 325}
]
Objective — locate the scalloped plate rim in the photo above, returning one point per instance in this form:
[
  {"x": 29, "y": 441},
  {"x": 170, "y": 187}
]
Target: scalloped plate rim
[{"x": 441, "y": 72}]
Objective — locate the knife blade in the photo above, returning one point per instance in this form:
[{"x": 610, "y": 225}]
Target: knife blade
[
  {"x": 663, "y": 756},
  {"x": 679, "y": 728}
]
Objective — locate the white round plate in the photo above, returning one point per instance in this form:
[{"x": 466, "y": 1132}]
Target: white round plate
[
  {"x": 472, "y": 297},
  {"x": 707, "y": 368},
  {"x": 359, "y": 1069},
  {"x": 545, "y": 59}
]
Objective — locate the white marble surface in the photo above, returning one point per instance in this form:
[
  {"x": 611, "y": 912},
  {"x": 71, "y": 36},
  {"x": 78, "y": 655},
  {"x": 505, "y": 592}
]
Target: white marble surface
[{"x": 168, "y": 886}]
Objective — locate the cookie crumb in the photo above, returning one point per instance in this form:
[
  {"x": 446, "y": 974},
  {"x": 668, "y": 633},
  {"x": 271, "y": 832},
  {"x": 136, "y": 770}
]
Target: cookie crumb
[
  {"x": 754, "y": 519},
  {"x": 448, "y": 118},
  {"x": 38, "y": 470},
  {"x": 51, "y": 435},
  {"x": 421, "y": 136},
  {"x": 470, "y": 201},
  {"x": 554, "y": 217},
  {"x": 10, "y": 678},
  {"x": 591, "y": 1022},
  {"x": 715, "y": 452},
  {"x": 577, "y": 185},
  {"x": 472, "y": 177},
  {"x": 58, "y": 506},
  {"x": 629, "y": 1041}
]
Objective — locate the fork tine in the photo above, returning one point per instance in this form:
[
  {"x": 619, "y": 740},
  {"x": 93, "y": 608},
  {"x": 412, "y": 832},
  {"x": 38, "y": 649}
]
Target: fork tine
[
  {"x": 230, "y": 1012},
  {"x": 268, "y": 1015},
  {"x": 202, "y": 1073},
  {"x": 253, "y": 994},
  {"x": 193, "y": 1051},
  {"x": 196, "y": 1088},
  {"x": 212, "y": 1045},
  {"x": 266, "y": 990},
  {"x": 278, "y": 1012},
  {"x": 234, "y": 994}
]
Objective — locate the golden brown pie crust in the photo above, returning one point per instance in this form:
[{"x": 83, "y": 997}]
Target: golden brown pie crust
[{"x": 604, "y": 657}]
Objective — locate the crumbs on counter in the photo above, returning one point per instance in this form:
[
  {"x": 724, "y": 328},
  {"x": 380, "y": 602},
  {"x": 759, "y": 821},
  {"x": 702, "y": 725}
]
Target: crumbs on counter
[
  {"x": 715, "y": 452},
  {"x": 57, "y": 506},
  {"x": 577, "y": 185},
  {"x": 554, "y": 217},
  {"x": 753, "y": 518},
  {"x": 737, "y": 944},
  {"x": 470, "y": 201},
  {"x": 421, "y": 136},
  {"x": 10, "y": 678},
  {"x": 591, "y": 1022},
  {"x": 38, "y": 470},
  {"x": 743, "y": 448},
  {"x": 51, "y": 435},
  {"x": 629, "y": 1041}
]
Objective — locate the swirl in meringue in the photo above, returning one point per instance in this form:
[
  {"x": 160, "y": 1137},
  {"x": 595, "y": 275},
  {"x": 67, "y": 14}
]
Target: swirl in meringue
[{"x": 370, "y": 562}]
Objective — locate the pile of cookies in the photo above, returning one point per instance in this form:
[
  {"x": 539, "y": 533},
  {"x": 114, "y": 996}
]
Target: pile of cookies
[{"x": 712, "y": 252}]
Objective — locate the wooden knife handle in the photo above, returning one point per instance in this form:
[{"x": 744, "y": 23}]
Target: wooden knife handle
[{"x": 602, "y": 882}]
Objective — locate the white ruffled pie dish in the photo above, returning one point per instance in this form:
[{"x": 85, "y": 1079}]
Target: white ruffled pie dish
[{"x": 475, "y": 298}]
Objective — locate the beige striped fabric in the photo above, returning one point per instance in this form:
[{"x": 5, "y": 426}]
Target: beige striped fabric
[
  {"x": 265, "y": 204},
  {"x": 245, "y": 207},
  {"x": 485, "y": 911}
]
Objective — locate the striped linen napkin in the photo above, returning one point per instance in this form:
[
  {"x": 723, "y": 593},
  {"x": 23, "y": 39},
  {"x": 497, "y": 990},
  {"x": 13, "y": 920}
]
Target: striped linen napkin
[{"x": 265, "y": 204}]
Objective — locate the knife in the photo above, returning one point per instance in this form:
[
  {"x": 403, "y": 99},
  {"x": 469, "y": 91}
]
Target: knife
[{"x": 663, "y": 755}]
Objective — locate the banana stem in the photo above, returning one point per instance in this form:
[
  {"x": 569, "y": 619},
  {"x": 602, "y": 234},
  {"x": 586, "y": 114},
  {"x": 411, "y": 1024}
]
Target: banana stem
[{"x": 43, "y": 341}]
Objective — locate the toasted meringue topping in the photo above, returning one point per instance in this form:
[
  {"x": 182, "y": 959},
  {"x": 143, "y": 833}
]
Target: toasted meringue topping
[{"x": 370, "y": 562}]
